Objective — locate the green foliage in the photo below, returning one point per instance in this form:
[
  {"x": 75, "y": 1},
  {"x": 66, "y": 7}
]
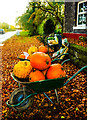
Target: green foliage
[
  {"x": 40, "y": 30},
  {"x": 23, "y": 19},
  {"x": 51, "y": 38},
  {"x": 4, "y": 25},
  {"x": 37, "y": 12},
  {"x": 83, "y": 38},
  {"x": 39, "y": 17},
  {"x": 58, "y": 29},
  {"x": 24, "y": 22},
  {"x": 24, "y": 33},
  {"x": 49, "y": 27},
  {"x": 7, "y": 27},
  {"x": 79, "y": 48}
]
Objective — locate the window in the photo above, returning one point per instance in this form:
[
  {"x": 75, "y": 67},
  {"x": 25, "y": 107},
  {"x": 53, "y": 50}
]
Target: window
[{"x": 81, "y": 14}]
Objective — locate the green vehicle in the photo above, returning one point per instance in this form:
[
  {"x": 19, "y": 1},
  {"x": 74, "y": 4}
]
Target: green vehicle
[{"x": 21, "y": 98}]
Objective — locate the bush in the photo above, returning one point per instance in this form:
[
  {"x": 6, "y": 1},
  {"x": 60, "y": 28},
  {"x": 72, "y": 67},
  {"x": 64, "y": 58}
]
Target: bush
[
  {"x": 40, "y": 30},
  {"x": 83, "y": 38},
  {"x": 24, "y": 33},
  {"x": 58, "y": 29}
]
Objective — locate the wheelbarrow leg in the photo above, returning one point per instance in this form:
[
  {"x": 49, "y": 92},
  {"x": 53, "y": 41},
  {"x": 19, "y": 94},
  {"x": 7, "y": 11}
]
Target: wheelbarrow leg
[
  {"x": 56, "y": 95},
  {"x": 48, "y": 97},
  {"x": 24, "y": 91}
]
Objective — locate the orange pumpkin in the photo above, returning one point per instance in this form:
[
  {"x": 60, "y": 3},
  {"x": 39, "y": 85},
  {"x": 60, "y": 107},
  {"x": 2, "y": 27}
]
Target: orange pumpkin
[
  {"x": 55, "y": 71},
  {"x": 40, "y": 60},
  {"x": 36, "y": 76},
  {"x": 43, "y": 49},
  {"x": 22, "y": 56}
]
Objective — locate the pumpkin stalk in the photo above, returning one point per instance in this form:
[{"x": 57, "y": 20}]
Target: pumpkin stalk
[
  {"x": 25, "y": 63},
  {"x": 47, "y": 62}
]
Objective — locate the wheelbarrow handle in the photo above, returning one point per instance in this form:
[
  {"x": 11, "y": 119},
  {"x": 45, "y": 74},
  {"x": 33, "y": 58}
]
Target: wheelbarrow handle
[
  {"x": 58, "y": 57},
  {"x": 75, "y": 74},
  {"x": 65, "y": 61},
  {"x": 61, "y": 55}
]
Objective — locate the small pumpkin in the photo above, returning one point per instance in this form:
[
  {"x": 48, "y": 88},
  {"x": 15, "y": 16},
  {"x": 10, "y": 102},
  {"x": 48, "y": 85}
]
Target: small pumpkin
[
  {"x": 36, "y": 76},
  {"x": 43, "y": 49},
  {"x": 55, "y": 71},
  {"x": 22, "y": 69},
  {"x": 40, "y": 60},
  {"x": 32, "y": 49},
  {"x": 22, "y": 56}
]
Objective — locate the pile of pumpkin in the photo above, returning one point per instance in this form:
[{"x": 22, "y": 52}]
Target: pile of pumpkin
[{"x": 38, "y": 68}]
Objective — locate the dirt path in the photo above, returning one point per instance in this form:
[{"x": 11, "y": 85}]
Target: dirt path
[{"x": 0, "y": 81}]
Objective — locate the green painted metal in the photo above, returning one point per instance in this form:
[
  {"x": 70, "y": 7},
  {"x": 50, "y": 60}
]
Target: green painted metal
[
  {"x": 10, "y": 105},
  {"x": 75, "y": 74},
  {"x": 48, "y": 84},
  {"x": 58, "y": 57},
  {"x": 65, "y": 61},
  {"x": 43, "y": 85},
  {"x": 48, "y": 97}
]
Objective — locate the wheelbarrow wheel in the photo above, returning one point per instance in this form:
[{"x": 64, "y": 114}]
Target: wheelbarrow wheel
[{"x": 18, "y": 95}]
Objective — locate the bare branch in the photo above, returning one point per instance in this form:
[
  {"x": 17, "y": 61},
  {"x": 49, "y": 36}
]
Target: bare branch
[
  {"x": 50, "y": 5},
  {"x": 51, "y": 10}
]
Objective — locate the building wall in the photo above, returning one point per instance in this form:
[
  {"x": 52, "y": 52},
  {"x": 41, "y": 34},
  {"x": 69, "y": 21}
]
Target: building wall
[
  {"x": 69, "y": 16},
  {"x": 70, "y": 19}
]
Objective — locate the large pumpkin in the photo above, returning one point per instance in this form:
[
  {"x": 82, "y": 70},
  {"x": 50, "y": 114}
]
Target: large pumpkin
[
  {"x": 32, "y": 49},
  {"x": 22, "y": 69},
  {"x": 55, "y": 71},
  {"x": 40, "y": 60},
  {"x": 43, "y": 49},
  {"x": 36, "y": 76}
]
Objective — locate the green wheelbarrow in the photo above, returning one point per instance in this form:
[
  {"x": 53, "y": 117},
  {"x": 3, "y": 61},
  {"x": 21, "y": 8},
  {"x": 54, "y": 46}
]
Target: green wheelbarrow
[{"x": 22, "y": 97}]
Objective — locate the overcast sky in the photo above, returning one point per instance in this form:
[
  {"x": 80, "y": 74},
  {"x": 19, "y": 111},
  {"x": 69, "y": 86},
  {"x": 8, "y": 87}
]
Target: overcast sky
[{"x": 10, "y": 9}]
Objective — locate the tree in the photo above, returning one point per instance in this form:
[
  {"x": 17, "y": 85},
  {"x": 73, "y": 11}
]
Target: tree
[
  {"x": 37, "y": 12},
  {"x": 50, "y": 9},
  {"x": 4, "y": 25},
  {"x": 23, "y": 21}
]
